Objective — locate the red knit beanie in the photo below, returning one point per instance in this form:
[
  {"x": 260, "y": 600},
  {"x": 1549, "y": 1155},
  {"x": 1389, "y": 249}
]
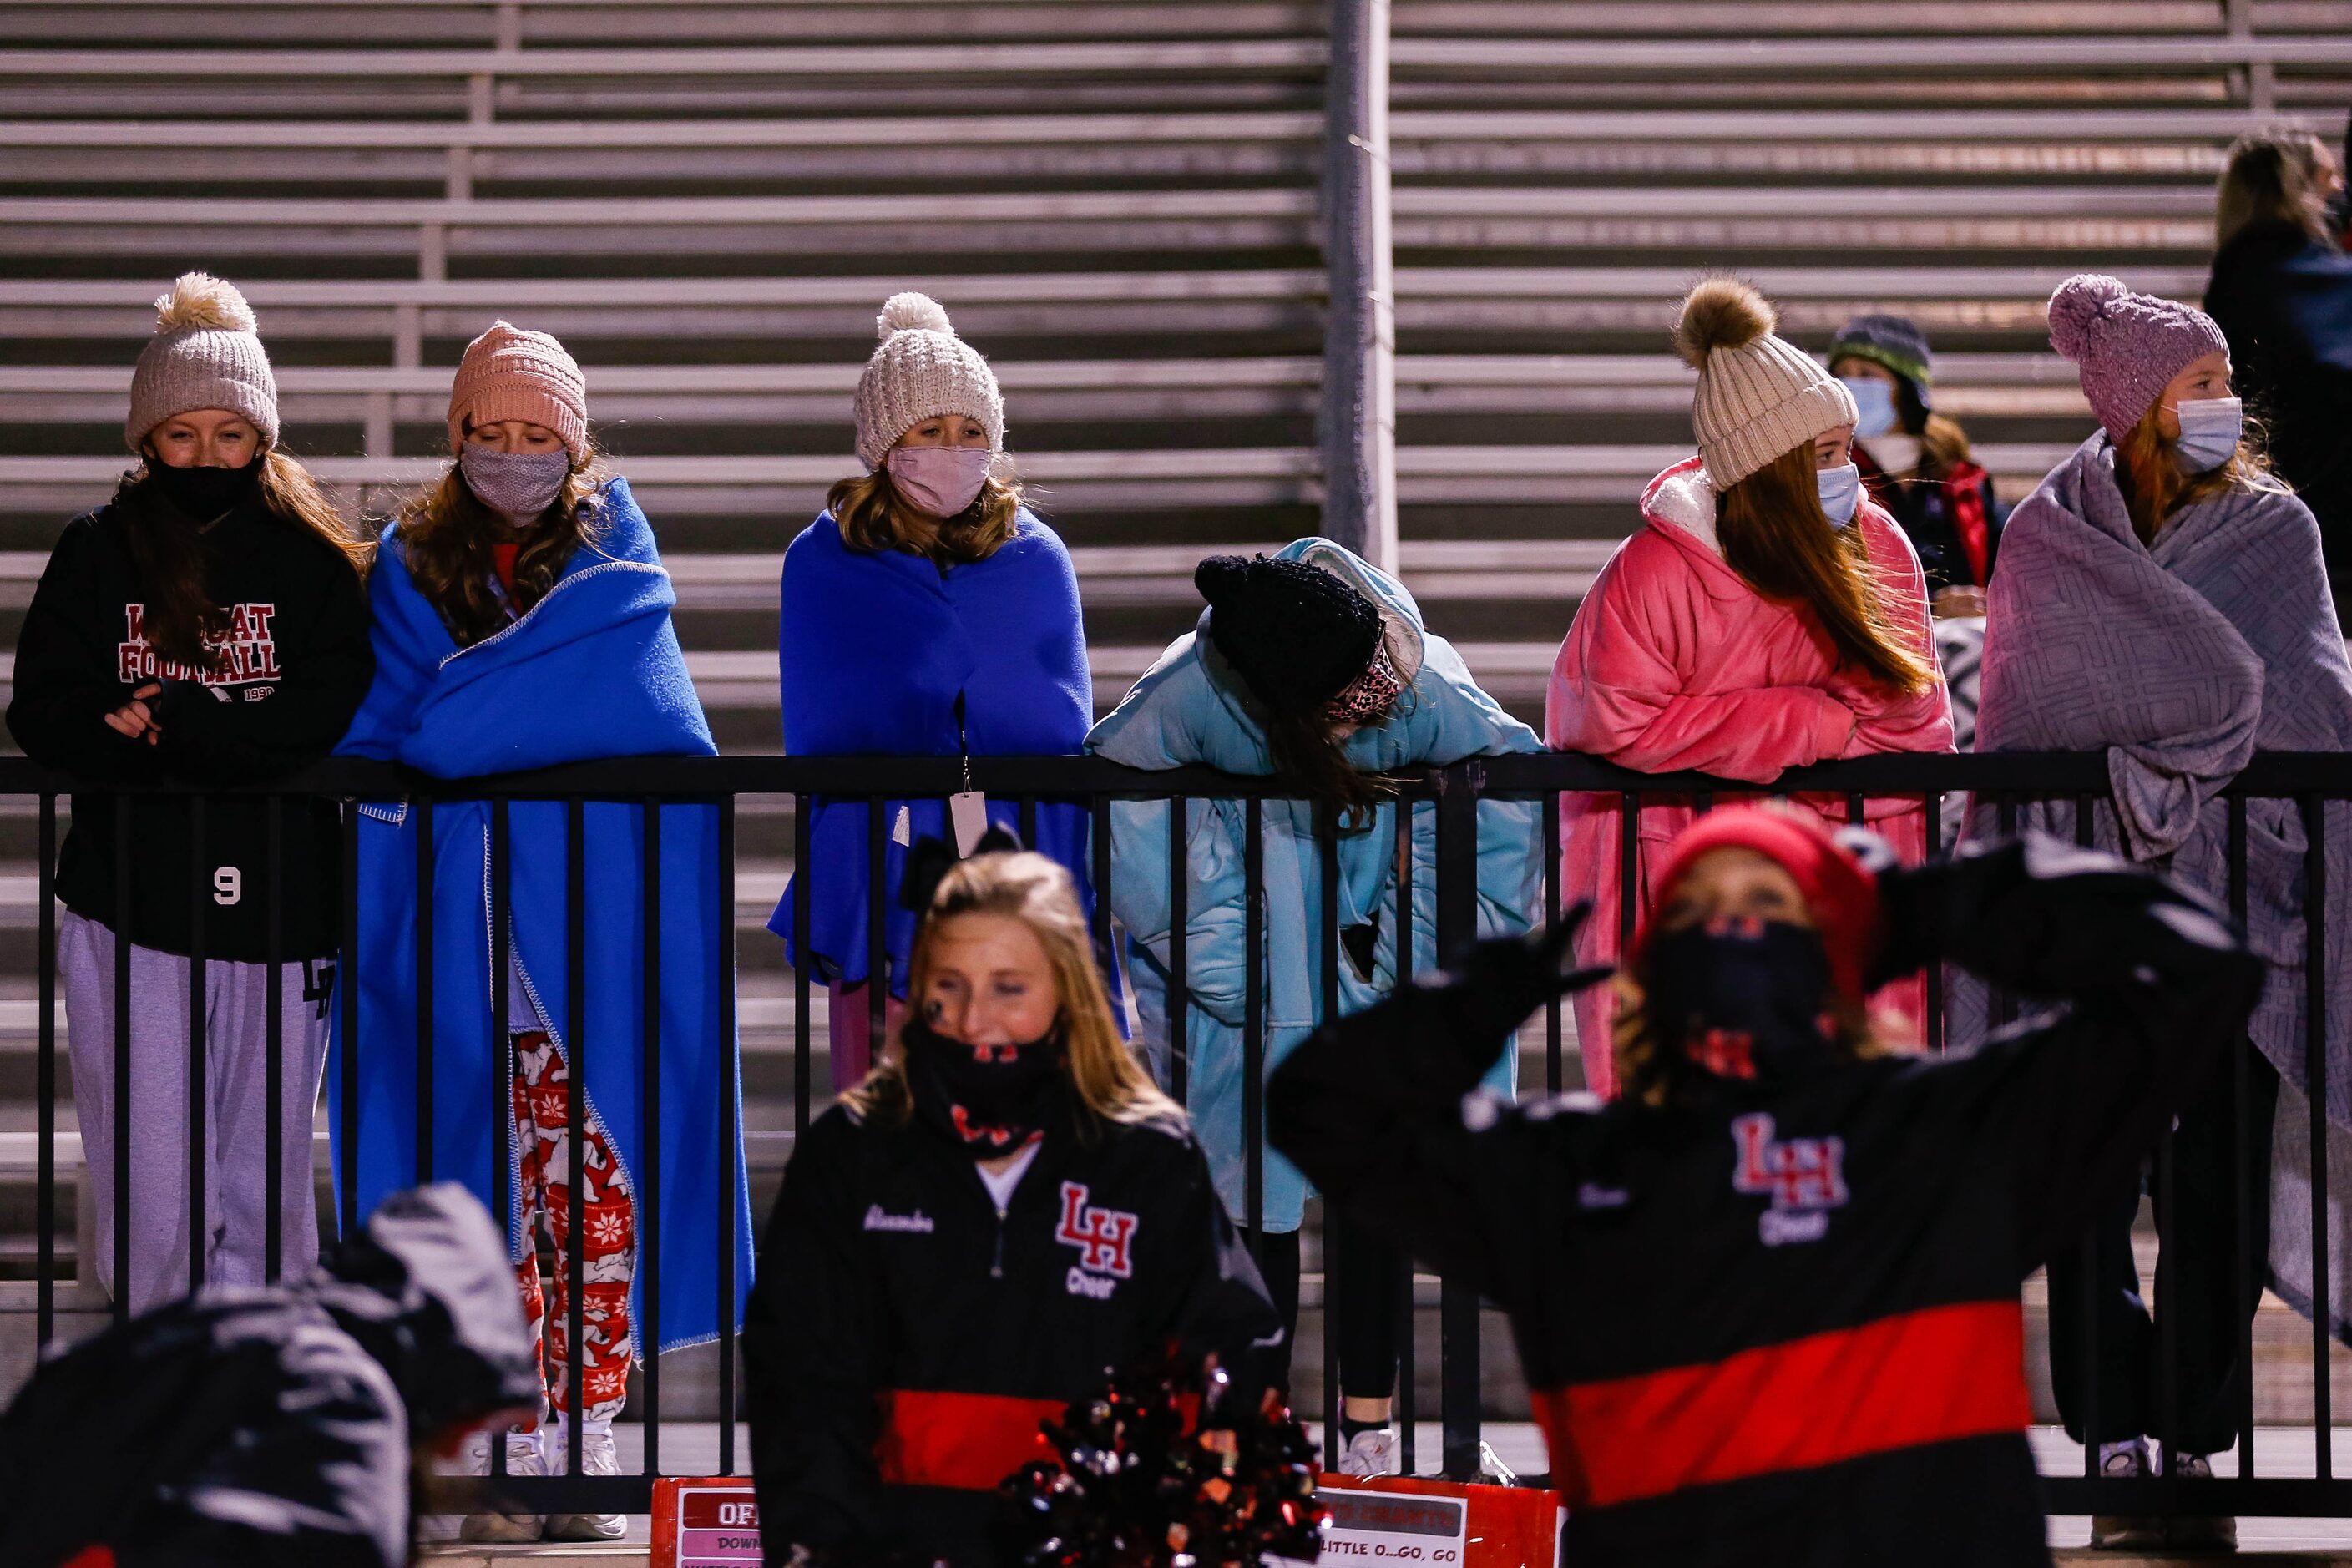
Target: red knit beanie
[{"x": 1839, "y": 890}]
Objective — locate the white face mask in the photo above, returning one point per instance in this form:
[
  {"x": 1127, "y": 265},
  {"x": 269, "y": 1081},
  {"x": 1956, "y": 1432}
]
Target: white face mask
[
  {"x": 2211, "y": 428},
  {"x": 1894, "y": 453},
  {"x": 940, "y": 480},
  {"x": 1874, "y": 401},
  {"x": 1841, "y": 492}
]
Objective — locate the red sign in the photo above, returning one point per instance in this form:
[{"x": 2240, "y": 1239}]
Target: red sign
[{"x": 711, "y": 1522}]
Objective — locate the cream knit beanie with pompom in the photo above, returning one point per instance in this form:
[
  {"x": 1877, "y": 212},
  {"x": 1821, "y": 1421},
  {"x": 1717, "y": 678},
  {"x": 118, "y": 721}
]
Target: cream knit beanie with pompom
[
  {"x": 1759, "y": 394},
  {"x": 923, "y": 371},
  {"x": 207, "y": 353}
]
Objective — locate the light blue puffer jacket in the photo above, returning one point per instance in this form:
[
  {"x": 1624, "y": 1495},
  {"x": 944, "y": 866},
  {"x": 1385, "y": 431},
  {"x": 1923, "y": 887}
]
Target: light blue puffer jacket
[{"x": 1192, "y": 709}]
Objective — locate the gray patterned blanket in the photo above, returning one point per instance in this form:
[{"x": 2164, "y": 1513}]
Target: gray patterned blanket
[{"x": 2180, "y": 662}]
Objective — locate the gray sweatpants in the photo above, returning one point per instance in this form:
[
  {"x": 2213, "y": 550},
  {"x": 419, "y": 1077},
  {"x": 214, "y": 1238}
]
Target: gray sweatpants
[{"x": 237, "y": 1109}]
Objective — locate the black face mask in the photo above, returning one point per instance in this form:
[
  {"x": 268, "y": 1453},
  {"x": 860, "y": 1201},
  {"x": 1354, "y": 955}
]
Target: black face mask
[
  {"x": 990, "y": 1098},
  {"x": 201, "y": 495},
  {"x": 1740, "y": 998}
]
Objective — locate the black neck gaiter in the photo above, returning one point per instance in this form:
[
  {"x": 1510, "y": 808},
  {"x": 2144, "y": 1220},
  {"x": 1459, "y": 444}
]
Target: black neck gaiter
[{"x": 991, "y": 1099}]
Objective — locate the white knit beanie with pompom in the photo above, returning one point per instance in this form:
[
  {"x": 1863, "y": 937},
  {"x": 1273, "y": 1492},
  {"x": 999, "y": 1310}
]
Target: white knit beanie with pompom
[
  {"x": 923, "y": 371},
  {"x": 1759, "y": 394},
  {"x": 207, "y": 353}
]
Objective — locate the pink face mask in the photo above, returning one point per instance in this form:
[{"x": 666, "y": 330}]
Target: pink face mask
[{"x": 940, "y": 480}]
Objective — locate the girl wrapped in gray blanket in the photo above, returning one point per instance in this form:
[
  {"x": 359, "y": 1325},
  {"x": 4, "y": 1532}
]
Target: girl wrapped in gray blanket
[{"x": 2162, "y": 599}]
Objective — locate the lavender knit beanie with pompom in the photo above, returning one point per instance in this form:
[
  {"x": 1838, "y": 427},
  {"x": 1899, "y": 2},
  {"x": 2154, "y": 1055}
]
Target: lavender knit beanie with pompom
[
  {"x": 2126, "y": 346},
  {"x": 921, "y": 371}
]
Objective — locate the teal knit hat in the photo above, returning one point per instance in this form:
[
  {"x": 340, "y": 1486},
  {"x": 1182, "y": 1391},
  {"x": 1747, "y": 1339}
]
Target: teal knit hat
[{"x": 1894, "y": 342}]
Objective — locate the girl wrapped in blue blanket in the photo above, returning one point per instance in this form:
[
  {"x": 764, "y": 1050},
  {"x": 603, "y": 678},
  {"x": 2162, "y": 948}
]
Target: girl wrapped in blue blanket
[
  {"x": 522, "y": 620},
  {"x": 926, "y": 612}
]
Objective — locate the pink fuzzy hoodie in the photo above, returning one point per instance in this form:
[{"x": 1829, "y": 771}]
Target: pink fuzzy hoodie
[{"x": 1673, "y": 662}]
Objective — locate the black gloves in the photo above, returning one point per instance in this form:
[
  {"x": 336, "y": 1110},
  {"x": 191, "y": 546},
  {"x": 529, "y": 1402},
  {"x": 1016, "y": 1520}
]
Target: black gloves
[{"x": 1505, "y": 980}]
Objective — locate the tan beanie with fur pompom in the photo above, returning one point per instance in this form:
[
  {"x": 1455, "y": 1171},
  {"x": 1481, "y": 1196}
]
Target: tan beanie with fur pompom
[
  {"x": 207, "y": 353},
  {"x": 1759, "y": 394}
]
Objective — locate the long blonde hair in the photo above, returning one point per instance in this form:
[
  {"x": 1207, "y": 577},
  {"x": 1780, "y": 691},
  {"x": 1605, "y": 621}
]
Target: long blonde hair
[
  {"x": 874, "y": 516},
  {"x": 448, "y": 536},
  {"x": 1777, "y": 537},
  {"x": 2148, "y": 472},
  {"x": 1109, "y": 1082}
]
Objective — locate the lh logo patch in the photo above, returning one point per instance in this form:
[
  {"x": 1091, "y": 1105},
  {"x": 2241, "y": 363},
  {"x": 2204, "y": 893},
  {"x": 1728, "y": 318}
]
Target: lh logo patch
[
  {"x": 1105, "y": 1239},
  {"x": 1804, "y": 1177}
]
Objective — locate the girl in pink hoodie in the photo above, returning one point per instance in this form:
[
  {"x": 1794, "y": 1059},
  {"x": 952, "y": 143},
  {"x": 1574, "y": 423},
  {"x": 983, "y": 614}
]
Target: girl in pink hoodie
[{"x": 1766, "y": 615}]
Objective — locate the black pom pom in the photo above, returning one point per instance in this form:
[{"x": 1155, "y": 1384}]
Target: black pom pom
[{"x": 1159, "y": 1469}]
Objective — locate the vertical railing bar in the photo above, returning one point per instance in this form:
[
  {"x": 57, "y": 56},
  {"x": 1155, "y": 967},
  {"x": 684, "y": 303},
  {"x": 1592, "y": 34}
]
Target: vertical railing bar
[
  {"x": 730, "y": 1087},
  {"x": 1629, "y": 872},
  {"x": 1855, "y": 814},
  {"x": 347, "y": 987},
  {"x": 575, "y": 1121},
  {"x": 425, "y": 990},
  {"x": 123, "y": 805},
  {"x": 1105, "y": 959},
  {"x": 2240, "y": 1089},
  {"x": 1326, "y": 848},
  {"x": 2314, "y": 1002},
  {"x": 1254, "y": 1026},
  {"x": 199, "y": 1040},
  {"x": 503, "y": 1059},
  {"x": 45, "y": 1091},
  {"x": 273, "y": 1034},
  {"x": 648, "y": 1236},
  {"x": 1407, "y": 1317},
  {"x": 878, "y": 950},
  {"x": 2090, "y": 1262},
  {"x": 1180, "y": 919},
  {"x": 1028, "y": 812},
  {"x": 1934, "y": 807},
  {"x": 1554, "y": 1074},
  {"x": 803, "y": 1027},
  {"x": 1457, "y": 919}
]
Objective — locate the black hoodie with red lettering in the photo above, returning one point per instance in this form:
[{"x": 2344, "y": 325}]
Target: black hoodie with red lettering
[
  {"x": 904, "y": 1337},
  {"x": 1778, "y": 1323},
  {"x": 294, "y": 663}
]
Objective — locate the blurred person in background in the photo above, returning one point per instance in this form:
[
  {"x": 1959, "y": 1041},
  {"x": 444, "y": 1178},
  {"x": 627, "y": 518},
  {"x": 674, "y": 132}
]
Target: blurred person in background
[
  {"x": 2282, "y": 293},
  {"x": 1916, "y": 461}
]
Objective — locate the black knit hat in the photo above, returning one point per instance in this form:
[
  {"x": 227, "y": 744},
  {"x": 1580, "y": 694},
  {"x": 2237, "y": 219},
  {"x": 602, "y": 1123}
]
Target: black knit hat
[
  {"x": 1296, "y": 633},
  {"x": 1897, "y": 342}
]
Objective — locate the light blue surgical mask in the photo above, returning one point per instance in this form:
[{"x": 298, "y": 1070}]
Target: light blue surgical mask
[
  {"x": 2211, "y": 428},
  {"x": 1875, "y": 399},
  {"x": 1841, "y": 492}
]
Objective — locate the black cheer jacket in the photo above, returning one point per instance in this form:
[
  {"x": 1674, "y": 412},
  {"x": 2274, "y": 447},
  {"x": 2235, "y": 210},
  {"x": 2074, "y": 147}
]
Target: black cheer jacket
[
  {"x": 904, "y": 1338},
  {"x": 293, "y": 666},
  {"x": 1780, "y": 1323}
]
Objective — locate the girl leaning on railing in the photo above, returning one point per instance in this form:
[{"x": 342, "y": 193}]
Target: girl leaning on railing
[
  {"x": 522, "y": 620},
  {"x": 207, "y": 625},
  {"x": 1767, "y": 614}
]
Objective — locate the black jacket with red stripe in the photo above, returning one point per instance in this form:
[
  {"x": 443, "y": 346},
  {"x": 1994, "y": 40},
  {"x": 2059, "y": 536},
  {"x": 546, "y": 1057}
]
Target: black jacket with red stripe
[
  {"x": 904, "y": 1337},
  {"x": 1781, "y": 1324}
]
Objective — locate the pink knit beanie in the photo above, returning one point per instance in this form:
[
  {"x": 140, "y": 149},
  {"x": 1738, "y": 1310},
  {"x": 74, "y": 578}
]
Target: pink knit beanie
[
  {"x": 2126, "y": 346},
  {"x": 509, "y": 373}
]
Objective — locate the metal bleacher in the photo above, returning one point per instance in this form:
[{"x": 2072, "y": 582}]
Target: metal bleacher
[{"x": 1117, "y": 201}]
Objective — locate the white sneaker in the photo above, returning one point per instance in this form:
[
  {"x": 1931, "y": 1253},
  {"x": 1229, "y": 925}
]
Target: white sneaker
[
  {"x": 1373, "y": 1452},
  {"x": 1492, "y": 1471},
  {"x": 523, "y": 1459},
  {"x": 2124, "y": 1531},
  {"x": 599, "y": 1456}
]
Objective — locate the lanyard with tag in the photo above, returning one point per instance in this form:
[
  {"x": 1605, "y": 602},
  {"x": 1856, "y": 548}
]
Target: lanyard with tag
[{"x": 967, "y": 809}]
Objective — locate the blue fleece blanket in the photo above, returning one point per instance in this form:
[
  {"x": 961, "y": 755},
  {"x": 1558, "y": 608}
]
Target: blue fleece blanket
[
  {"x": 593, "y": 671},
  {"x": 873, "y": 649}
]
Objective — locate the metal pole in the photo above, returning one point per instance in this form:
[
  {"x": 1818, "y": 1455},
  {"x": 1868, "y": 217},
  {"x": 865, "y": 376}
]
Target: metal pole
[{"x": 1359, "y": 417}]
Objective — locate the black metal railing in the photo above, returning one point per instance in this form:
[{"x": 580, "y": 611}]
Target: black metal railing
[{"x": 2000, "y": 783}]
